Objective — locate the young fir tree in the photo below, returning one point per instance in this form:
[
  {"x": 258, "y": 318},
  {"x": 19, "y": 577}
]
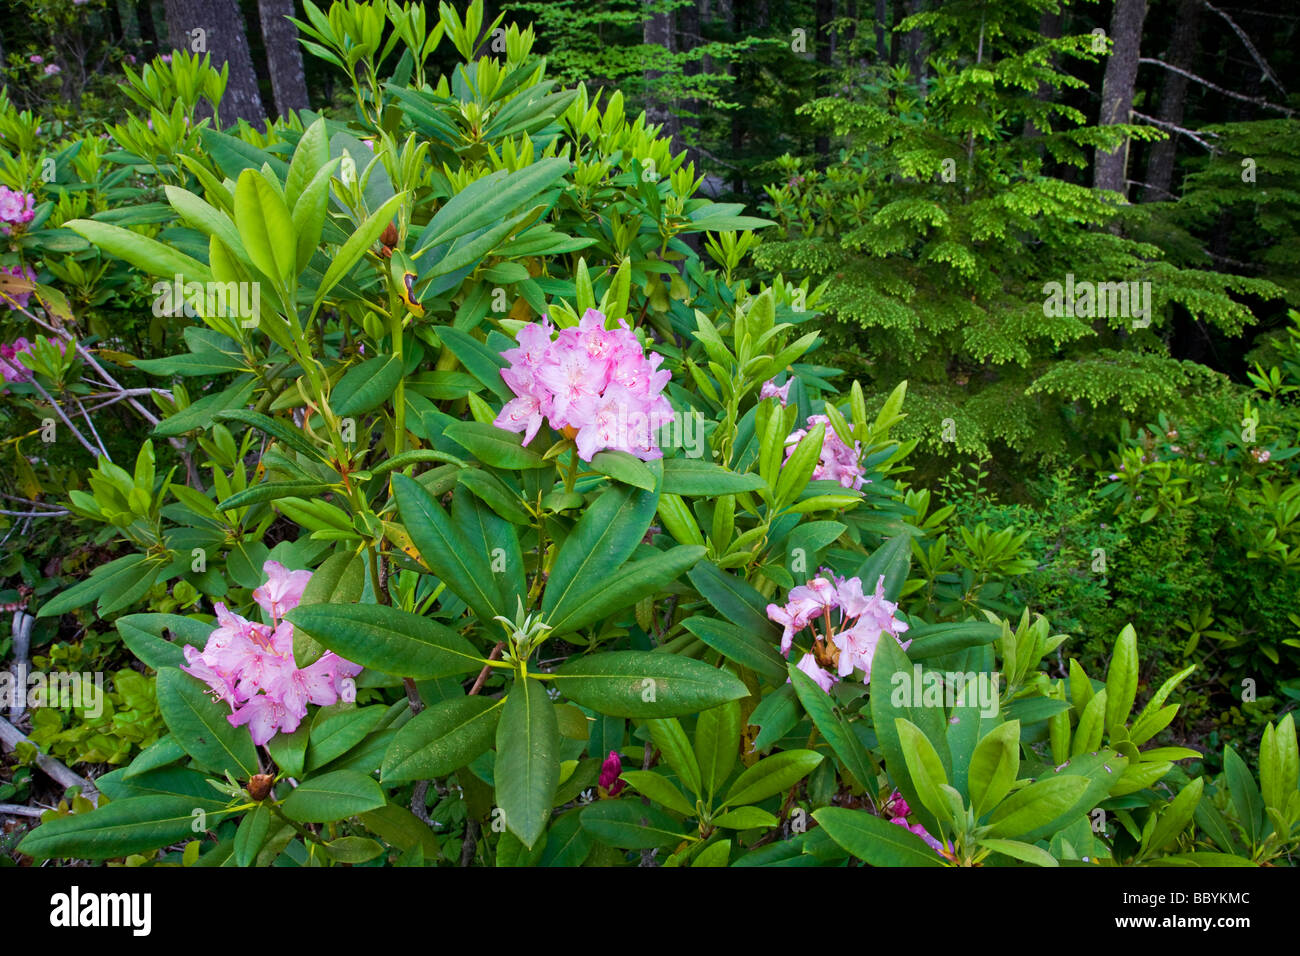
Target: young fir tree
[{"x": 949, "y": 214}]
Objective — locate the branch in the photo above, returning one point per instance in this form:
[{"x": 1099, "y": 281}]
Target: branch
[
  {"x": 11, "y": 736},
  {"x": 1254, "y": 100},
  {"x": 1177, "y": 129},
  {"x": 53, "y": 404},
  {"x": 1264, "y": 67}
]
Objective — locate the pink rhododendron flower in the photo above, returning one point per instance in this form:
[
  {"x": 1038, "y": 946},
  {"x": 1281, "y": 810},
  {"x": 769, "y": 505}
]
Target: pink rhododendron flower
[
  {"x": 16, "y": 209},
  {"x": 52, "y": 68},
  {"x": 36, "y": 58},
  {"x": 11, "y": 368},
  {"x": 282, "y": 591},
  {"x": 251, "y": 667},
  {"x": 609, "y": 774},
  {"x": 824, "y": 678},
  {"x": 846, "y": 624},
  {"x": 596, "y": 385},
  {"x": 838, "y": 462},
  {"x": 931, "y": 842},
  {"x": 772, "y": 390}
]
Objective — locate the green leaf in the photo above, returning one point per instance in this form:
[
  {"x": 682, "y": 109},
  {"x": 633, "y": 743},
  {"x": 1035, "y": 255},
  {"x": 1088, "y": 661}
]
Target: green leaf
[
  {"x": 659, "y": 789},
  {"x": 844, "y": 743},
  {"x": 717, "y": 745},
  {"x": 387, "y": 639},
  {"x": 1035, "y": 805},
  {"x": 488, "y": 200},
  {"x": 142, "y": 634},
  {"x": 123, "y": 827},
  {"x": 341, "y": 579},
  {"x": 994, "y": 766},
  {"x": 873, "y": 840},
  {"x": 772, "y": 775},
  {"x": 105, "y": 578},
  {"x": 745, "y": 818},
  {"x": 333, "y": 796},
  {"x": 630, "y": 825},
  {"x": 736, "y": 599},
  {"x": 1175, "y": 817},
  {"x": 350, "y": 253},
  {"x": 251, "y": 834},
  {"x": 604, "y": 537},
  {"x": 671, "y": 741},
  {"x": 365, "y": 387},
  {"x": 1122, "y": 679},
  {"x": 735, "y": 643},
  {"x": 200, "y": 726},
  {"x": 494, "y": 446},
  {"x": 441, "y": 739},
  {"x": 274, "y": 491},
  {"x": 1246, "y": 800},
  {"x": 924, "y": 767},
  {"x": 291, "y": 435},
  {"x": 527, "y": 764},
  {"x": 464, "y": 569},
  {"x": 334, "y": 733},
  {"x": 623, "y": 467},
  {"x": 796, "y": 472},
  {"x": 1278, "y": 764},
  {"x": 641, "y": 684},
  {"x": 600, "y": 599},
  {"x": 1020, "y": 851},
  {"x": 148, "y": 255},
  {"x": 479, "y": 360},
  {"x": 697, "y": 478},
  {"x": 265, "y": 226}
]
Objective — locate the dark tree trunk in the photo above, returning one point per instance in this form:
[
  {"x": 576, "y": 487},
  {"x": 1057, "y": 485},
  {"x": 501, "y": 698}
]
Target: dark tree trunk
[
  {"x": 1117, "y": 89},
  {"x": 658, "y": 30},
  {"x": 688, "y": 38},
  {"x": 283, "y": 55},
  {"x": 825, "y": 11},
  {"x": 148, "y": 29},
  {"x": 882, "y": 31},
  {"x": 224, "y": 36},
  {"x": 1173, "y": 101},
  {"x": 1049, "y": 25},
  {"x": 914, "y": 46}
]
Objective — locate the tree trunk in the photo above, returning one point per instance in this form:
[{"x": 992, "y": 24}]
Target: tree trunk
[
  {"x": 283, "y": 56},
  {"x": 914, "y": 46},
  {"x": 882, "y": 31},
  {"x": 223, "y": 36},
  {"x": 1117, "y": 89},
  {"x": 148, "y": 29},
  {"x": 825, "y": 12},
  {"x": 1173, "y": 101},
  {"x": 658, "y": 31},
  {"x": 1049, "y": 26}
]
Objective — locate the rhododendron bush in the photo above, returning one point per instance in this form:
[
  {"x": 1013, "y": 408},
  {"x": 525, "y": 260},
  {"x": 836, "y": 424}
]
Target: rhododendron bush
[{"x": 500, "y": 528}]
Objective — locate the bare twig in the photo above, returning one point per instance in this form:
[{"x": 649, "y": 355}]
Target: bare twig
[
  {"x": 1163, "y": 124},
  {"x": 58, "y": 513},
  {"x": 53, "y": 404},
  {"x": 17, "y": 810},
  {"x": 482, "y": 675},
  {"x": 1254, "y": 100},
  {"x": 1255, "y": 54},
  {"x": 11, "y": 737},
  {"x": 471, "y": 843}
]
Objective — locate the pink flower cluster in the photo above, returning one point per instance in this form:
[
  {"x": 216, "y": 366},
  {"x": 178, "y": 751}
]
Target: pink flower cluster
[
  {"x": 595, "y": 385},
  {"x": 897, "y": 810},
  {"x": 780, "y": 392},
  {"x": 839, "y": 462},
  {"x": 251, "y": 667},
  {"x": 11, "y": 369},
  {"x": 852, "y": 625},
  {"x": 16, "y": 209}
]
